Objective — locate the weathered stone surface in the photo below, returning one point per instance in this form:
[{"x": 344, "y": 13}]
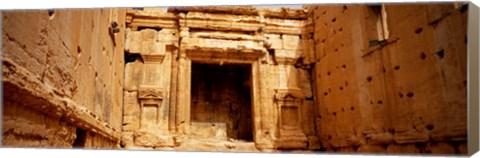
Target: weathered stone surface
[
  {"x": 130, "y": 123},
  {"x": 305, "y": 83},
  {"x": 380, "y": 138},
  {"x": 463, "y": 148},
  {"x": 345, "y": 150},
  {"x": 135, "y": 75},
  {"x": 246, "y": 10},
  {"x": 280, "y": 13},
  {"x": 147, "y": 139},
  {"x": 223, "y": 22},
  {"x": 403, "y": 149},
  {"x": 313, "y": 143},
  {"x": 127, "y": 140},
  {"x": 410, "y": 137},
  {"x": 355, "y": 81},
  {"x": 59, "y": 64},
  {"x": 24, "y": 127},
  {"x": 150, "y": 18},
  {"x": 371, "y": 149},
  {"x": 440, "y": 148},
  {"x": 287, "y": 13},
  {"x": 225, "y": 35},
  {"x": 148, "y": 42},
  {"x": 29, "y": 45},
  {"x": 217, "y": 45},
  {"x": 346, "y": 140},
  {"x": 202, "y": 130}
]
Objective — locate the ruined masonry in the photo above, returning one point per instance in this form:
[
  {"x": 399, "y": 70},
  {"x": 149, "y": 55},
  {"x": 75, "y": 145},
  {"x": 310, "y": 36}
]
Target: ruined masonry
[{"x": 335, "y": 78}]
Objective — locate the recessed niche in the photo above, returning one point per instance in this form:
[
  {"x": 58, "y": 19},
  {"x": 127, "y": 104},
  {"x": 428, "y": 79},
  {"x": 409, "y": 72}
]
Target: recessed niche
[
  {"x": 440, "y": 54},
  {"x": 369, "y": 78},
  {"x": 221, "y": 94},
  {"x": 423, "y": 56},
  {"x": 418, "y": 30},
  {"x": 410, "y": 94},
  {"x": 396, "y": 67}
]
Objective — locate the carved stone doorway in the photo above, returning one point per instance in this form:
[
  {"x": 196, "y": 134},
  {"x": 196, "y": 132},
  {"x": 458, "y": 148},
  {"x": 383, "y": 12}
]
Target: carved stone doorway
[{"x": 221, "y": 104}]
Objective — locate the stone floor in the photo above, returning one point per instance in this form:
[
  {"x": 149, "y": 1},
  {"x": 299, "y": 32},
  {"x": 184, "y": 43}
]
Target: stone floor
[{"x": 192, "y": 144}]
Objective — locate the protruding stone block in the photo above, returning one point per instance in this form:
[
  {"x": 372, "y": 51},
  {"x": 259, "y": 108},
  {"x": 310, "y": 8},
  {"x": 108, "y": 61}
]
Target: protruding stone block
[
  {"x": 380, "y": 138},
  {"x": 410, "y": 136},
  {"x": 147, "y": 139}
]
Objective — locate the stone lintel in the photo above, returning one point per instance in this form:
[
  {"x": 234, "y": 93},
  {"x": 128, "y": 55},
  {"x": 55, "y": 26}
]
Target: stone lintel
[
  {"x": 226, "y": 36},
  {"x": 223, "y": 57},
  {"x": 157, "y": 14},
  {"x": 152, "y": 23},
  {"x": 288, "y": 13},
  {"x": 223, "y": 25},
  {"x": 220, "y": 45},
  {"x": 151, "y": 18},
  {"x": 223, "y": 17},
  {"x": 242, "y": 10}
]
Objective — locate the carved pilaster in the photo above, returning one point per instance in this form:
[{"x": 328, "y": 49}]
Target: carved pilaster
[
  {"x": 153, "y": 130},
  {"x": 290, "y": 133},
  {"x": 150, "y": 99},
  {"x": 288, "y": 99}
]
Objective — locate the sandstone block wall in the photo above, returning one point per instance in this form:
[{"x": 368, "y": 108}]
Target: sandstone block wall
[
  {"x": 63, "y": 78},
  {"x": 391, "y": 78}
]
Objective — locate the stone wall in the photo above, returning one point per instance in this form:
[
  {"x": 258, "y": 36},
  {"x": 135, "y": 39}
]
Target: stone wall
[
  {"x": 391, "y": 78},
  {"x": 62, "y": 75}
]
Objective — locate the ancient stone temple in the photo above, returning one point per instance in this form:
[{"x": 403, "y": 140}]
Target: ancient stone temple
[
  {"x": 217, "y": 74},
  {"x": 336, "y": 78}
]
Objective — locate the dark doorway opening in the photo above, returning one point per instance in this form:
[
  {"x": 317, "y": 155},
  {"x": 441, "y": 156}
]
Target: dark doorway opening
[
  {"x": 80, "y": 141},
  {"x": 222, "y": 93}
]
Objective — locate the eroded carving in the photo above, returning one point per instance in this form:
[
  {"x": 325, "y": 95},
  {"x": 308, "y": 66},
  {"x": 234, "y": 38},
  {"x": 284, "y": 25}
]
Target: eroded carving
[{"x": 290, "y": 133}]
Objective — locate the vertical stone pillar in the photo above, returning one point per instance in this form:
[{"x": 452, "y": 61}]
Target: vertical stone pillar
[
  {"x": 183, "y": 94},
  {"x": 184, "y": 79},
  {"x": 173, "y": 91},
  {"x": 288, "y": 99},
  {"x": 154, "y": 47},
  {"x": 154, "y": 115}
]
